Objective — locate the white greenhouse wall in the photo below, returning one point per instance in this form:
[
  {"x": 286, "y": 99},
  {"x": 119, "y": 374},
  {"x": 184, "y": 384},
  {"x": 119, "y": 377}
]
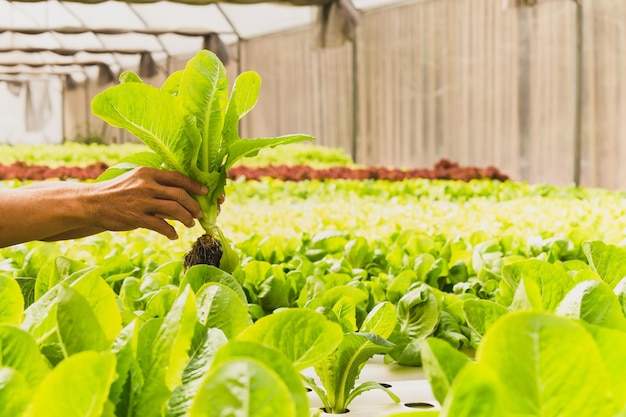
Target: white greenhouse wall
[{"x": 31, "y": 113}]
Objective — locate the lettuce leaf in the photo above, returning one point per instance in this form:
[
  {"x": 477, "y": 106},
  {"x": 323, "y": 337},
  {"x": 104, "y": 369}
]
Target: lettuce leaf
[{"x": 190, "y": 124}]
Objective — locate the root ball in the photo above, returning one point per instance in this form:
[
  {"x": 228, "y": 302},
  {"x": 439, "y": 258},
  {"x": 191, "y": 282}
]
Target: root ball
[{"x": 206, "y": 250}]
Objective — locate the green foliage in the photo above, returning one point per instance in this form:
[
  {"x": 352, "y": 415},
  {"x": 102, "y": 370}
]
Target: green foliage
[
  {"x": 70, "y": 153},
  {"x": 15, "y": 393},
  {"x": 303, "y": 336},
  {"x": 77, "y": 325},
  {"x": 531, "y": 363},
  {"x": 442, "y": 363},
  {"x": 221, "y": 308},
  {"x": 419, "y": 314},
  {"x": 550, "y": 282},
  {"x": 78, "y": 386},
  {"x": 539, "y": 312},
  {"x": 166, "y": 355},
  {"x": 194, "y": 373},
  {"x": 339, "y": 371},
  {"x": 11, "y": 301},
  {"x": 608, "y": 261},
  {"x": 278, "y": 362},
  {"x": 473, "y": 393},
  {"x": 79, "y": 154},
  {"x": 191, "y": 125},
  {"x": 246, "y": 385}
]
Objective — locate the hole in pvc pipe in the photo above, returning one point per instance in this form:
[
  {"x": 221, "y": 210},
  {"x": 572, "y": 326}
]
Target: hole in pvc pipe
[
  {"x": 324, "y": 410},
  {"x": 419, "y": 405}
]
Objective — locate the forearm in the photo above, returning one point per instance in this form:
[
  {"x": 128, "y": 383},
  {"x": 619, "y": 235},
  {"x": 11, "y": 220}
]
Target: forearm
[
  {"x": 74, "y": 234},
  {"x": 41, "y": 211},
  {"x": 141, "y": 198}
]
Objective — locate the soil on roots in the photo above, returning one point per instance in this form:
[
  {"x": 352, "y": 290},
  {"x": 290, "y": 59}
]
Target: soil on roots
[{"x": 206, "y": 250}]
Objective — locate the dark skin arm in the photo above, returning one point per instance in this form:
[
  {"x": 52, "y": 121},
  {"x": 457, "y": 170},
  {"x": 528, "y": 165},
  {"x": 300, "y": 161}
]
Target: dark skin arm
[
  {"x": 141, "y": 198},
  {"x": 88, "y": 231}
]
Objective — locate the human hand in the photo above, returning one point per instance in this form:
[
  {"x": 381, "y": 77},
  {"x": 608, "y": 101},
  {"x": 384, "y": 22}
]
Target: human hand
[{"x": 144, "y": 198}]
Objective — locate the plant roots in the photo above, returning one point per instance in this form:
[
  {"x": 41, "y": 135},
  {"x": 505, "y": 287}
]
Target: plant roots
[{"x": 205, "y": 250}]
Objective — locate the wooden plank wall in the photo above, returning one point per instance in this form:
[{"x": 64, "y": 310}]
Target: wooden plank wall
[
  {"x": 460, "y": 79},
  {"x": 604, "y": 112},
  {"x": 304, "y": 89},
  {"x": 464, "y": 80}
]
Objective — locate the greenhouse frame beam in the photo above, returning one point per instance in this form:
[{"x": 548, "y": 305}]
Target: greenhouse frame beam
[
  {"x": 78, "y": 30},
  {"x": 36, "y": 75},
  {"x": 53, "y": 64},
  {"x": 201, "y": 2},
  {"x": 71, "y": 52}
]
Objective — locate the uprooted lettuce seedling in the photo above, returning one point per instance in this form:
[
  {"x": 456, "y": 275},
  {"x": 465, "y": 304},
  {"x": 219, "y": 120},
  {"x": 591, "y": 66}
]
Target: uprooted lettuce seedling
[{"x": 191, "y": 126}]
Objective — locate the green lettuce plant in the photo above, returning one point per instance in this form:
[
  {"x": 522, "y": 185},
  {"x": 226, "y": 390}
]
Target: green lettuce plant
[
  {"x": 255, "y": 380},
  {"x": 191, "y": 126},
  {"x": 339, "y": 371},
  {"x": 532, "y": 363}
]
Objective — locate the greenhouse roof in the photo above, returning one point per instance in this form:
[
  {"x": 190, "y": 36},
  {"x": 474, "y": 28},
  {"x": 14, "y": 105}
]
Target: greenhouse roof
[{"x": 38, "y": 38}]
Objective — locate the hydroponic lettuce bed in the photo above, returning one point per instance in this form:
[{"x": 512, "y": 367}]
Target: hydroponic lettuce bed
[{"x": 484, "y": 298}]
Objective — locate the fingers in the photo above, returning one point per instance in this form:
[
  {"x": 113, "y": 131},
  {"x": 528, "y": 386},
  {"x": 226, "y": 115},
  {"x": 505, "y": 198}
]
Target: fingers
[
  {"x": 183, "y": 200},
  {"x": 174, "y": 186},
  {"x": 168, "y": 209},
  {"x": 178, "y": 180},
  {"x": 161, "y": 226},
  {"x": 176, "y": 183},
  {"x": 146, "y": 198}
]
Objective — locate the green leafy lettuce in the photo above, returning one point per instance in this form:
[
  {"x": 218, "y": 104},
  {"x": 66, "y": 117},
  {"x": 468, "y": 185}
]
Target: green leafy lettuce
[{"x": 190, "y": 124}]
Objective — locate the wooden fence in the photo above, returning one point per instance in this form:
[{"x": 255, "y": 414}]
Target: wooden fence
[{"x": 465, "y": 80}]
